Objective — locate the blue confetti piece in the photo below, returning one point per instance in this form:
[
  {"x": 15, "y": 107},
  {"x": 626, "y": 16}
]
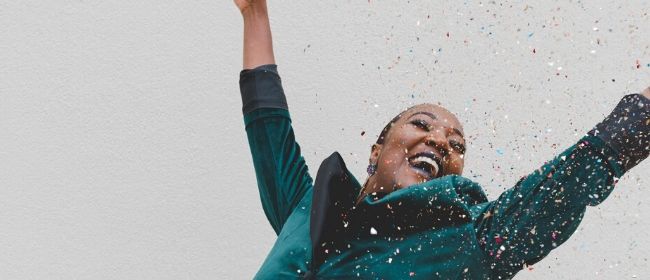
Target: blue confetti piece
[{"x": 500, "y": 151}]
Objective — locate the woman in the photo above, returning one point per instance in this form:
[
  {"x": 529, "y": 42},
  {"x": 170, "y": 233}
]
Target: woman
[{"x": 416, "y": 216}]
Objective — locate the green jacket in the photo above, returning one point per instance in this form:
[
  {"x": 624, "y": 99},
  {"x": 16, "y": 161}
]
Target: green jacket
[{"x": 441, "y": 229}]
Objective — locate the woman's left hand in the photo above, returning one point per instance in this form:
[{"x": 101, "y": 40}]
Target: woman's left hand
[
  {"x": 244, "y": 5},
  {"x": 646, "y": 93}
]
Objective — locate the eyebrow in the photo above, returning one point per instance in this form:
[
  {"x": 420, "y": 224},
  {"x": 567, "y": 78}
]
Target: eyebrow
[{"x": 432, "y": 116}]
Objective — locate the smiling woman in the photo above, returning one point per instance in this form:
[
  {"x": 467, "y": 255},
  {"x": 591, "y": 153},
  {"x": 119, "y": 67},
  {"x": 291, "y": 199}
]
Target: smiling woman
[
  {"x": 423, "y": 142},
  {"x": 416, "y": 216}
]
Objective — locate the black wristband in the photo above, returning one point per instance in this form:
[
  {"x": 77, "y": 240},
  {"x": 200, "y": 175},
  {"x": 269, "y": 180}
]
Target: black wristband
[
  {"x": 627, "y": 130},
  {"x": 261, "y": 88}
]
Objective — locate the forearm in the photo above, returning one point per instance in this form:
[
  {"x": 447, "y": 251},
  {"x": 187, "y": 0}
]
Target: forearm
[
  {"x": 281, "y": 171},
  {"x": 258, "y": 43},
  {"x": 545, "y": 208}
]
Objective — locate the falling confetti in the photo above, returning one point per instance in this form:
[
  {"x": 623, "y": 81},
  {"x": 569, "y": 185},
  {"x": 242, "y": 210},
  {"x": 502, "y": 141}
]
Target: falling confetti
[{"x": 578, "y": 176}]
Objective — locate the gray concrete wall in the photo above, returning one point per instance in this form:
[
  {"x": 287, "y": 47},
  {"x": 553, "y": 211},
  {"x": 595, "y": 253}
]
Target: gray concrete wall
[{"x": 123, "y": 152}]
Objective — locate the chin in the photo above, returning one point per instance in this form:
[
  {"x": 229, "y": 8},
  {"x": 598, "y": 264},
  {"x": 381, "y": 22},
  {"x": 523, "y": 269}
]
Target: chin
[{"x": 409, "y": 182}]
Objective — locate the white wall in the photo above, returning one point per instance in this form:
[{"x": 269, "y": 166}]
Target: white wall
[{"x": 123, "y": 153}]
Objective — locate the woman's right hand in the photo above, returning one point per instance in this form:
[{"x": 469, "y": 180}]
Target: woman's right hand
[
  {"x": 244, "y": 5},
  {"x": 646, "y": 93}
]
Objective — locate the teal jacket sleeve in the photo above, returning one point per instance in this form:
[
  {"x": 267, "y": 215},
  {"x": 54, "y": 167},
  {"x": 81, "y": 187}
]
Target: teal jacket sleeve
[
  {"x": 281, "y": 171},
  {"x": 545, "y": 207}
]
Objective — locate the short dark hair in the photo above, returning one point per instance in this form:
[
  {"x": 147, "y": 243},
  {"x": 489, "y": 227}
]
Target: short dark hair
[{"x": 384, "y": 132}]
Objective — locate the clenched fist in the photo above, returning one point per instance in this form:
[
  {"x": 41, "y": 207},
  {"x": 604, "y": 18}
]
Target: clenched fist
[{"x": 244, "y": 5}]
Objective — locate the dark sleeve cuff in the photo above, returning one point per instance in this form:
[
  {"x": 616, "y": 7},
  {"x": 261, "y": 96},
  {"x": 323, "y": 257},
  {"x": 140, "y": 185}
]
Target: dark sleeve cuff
[
  {"x": 261, "y": 88},
  {"x": 627, "y": 130}
]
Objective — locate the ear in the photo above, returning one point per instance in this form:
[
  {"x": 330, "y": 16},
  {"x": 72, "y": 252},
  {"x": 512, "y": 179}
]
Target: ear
[{"x": 375, "y": 151}]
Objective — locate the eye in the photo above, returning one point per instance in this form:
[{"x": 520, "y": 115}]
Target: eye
[
  {"x": 421, "y": 124},
  {"x": 458, "y": 146}
]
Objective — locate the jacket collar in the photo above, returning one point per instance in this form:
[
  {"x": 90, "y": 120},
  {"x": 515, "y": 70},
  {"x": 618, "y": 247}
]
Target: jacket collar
[
  {"x": 437, "y": 203},
  {"x": 334, "y": 194}
]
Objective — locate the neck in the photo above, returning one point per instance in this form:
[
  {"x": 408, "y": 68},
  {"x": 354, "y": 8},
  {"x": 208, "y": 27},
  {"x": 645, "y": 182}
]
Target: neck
[{"x": 365, "y": 190}]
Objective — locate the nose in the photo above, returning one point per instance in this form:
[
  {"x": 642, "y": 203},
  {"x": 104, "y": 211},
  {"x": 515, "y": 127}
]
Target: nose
[{"x": 437, "y": 139}]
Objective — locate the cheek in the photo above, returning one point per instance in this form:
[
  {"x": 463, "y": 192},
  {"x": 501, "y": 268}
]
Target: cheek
[
  {"x": 404, "y": 136},
  {"x": 396, "y": 150},
  {"x": 393, "y": 159},
  {"x": 456, "y": 163}
]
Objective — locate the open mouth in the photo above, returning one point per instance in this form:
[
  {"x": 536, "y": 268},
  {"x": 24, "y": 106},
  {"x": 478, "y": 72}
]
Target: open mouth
[{"x": 427, "y": 163}]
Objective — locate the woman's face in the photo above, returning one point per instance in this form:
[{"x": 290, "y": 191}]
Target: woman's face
[{"x": 427, "y": 142}]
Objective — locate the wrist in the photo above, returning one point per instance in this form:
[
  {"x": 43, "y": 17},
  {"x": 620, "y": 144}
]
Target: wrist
[{"x": 626, "y": 130}]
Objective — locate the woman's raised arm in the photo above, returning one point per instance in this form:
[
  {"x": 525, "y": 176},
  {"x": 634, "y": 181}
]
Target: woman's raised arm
[
  {"x": 258, "y": 43},
  {"x": 282, "y": 176},
  {"x": 544, "y": 208}
]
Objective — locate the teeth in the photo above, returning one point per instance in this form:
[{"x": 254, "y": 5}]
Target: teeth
[{"x": 428, "y": 161}]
